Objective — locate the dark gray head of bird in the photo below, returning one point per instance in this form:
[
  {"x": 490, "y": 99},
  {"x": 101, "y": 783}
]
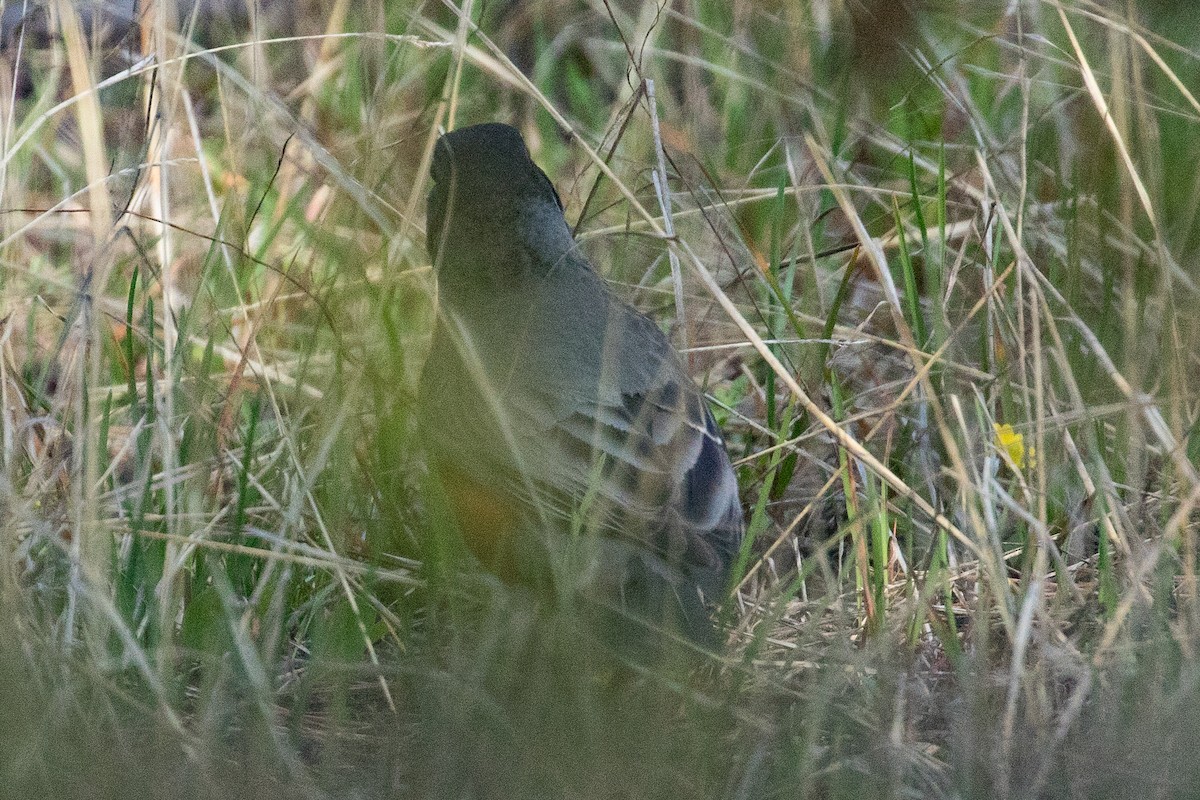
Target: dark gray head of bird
[
  {"x": 493, "y": 215},
  {"x": 486, "y": 188}
]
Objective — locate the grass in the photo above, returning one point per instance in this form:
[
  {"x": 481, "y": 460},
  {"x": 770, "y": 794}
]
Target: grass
[{"x": 933, "y": 265}]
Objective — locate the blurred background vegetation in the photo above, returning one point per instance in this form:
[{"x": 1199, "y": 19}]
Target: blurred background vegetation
[{"x": 934, "y": 262}]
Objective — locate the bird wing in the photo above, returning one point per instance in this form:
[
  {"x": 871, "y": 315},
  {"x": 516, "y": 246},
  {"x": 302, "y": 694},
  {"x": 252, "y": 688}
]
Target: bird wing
[{"x": 630, "y": 429}]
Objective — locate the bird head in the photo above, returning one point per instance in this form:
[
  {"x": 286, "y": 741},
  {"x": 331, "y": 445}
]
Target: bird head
[{"x": 485, "y": 186}]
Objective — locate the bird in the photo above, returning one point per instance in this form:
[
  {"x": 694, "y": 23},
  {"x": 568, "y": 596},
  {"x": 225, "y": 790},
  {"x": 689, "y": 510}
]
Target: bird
[{"x": 554, "y": 413}]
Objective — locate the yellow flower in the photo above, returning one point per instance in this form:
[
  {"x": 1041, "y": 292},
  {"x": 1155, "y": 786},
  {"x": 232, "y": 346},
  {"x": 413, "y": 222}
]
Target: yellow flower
[{"x": 1014, "y": 444}]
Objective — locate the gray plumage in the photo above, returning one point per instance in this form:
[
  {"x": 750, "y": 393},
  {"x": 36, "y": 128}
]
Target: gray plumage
[{"x": 545, "y": 386}]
